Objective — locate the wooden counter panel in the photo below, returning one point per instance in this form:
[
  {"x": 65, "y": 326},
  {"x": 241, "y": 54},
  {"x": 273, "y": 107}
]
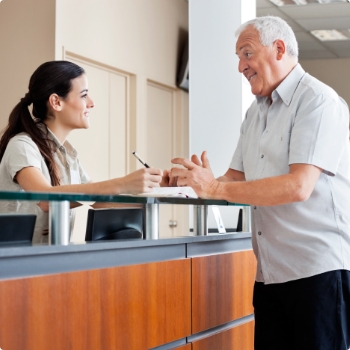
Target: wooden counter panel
[
  {"x": 222, "y": 288},
  {"x": 130, "y": 307},
  {"x": 237, "y": 338}
]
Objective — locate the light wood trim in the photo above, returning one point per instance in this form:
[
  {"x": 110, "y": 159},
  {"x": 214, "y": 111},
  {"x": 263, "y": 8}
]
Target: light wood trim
[
  {"x": 130, "y": 307},
  {"x": 237, "y": 338},
  {"x": 184, "y": 347},
  {"x": 222, "y": 288},
  {"x": 67, "y": 55}
]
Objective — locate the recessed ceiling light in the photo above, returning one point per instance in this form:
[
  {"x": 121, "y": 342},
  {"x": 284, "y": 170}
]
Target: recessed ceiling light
[
  {"x": 304, "y": 2},
  {"x": 330, "y": 35}
]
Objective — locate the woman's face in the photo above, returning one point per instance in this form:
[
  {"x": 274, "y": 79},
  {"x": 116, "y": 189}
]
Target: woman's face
[{"x": 76, "y": 106}]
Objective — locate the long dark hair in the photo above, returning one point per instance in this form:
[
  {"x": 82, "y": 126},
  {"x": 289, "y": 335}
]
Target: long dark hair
[{"x": 53, "y": 77}]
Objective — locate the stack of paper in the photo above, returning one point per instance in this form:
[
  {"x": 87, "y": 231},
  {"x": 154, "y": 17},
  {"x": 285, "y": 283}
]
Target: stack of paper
[{"x": 183, "y": 192}]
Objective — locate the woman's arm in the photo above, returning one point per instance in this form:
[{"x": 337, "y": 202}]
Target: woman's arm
[{"x": 140, "y": 181}]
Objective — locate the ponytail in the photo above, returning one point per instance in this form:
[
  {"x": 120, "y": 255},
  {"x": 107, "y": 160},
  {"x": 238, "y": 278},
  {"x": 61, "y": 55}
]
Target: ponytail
[{"x": 20, "y": 120}]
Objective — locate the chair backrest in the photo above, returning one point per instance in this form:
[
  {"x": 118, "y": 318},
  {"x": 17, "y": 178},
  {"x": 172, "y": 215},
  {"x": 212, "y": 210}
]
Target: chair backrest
[
  {"x": 16, "y": 228},
  {"x": 116, "y": 223}
]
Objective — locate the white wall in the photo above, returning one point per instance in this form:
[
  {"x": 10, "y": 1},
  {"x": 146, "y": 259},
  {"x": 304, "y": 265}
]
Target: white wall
[
  {"x": 136, "y": 36},
  {"x": 333, "y": 72},
  {"x": 217, "y": 100},
  {"x": 27, "y": 39}
]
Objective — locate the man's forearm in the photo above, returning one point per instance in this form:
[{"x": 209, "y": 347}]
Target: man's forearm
[
  {"x": 224, "y": 179},
  {"x": 278, "y": 190},
  {"x": 265, "y": 192}
]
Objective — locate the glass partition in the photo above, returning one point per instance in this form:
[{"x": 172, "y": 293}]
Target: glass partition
[{"x": 59, "y": 215}]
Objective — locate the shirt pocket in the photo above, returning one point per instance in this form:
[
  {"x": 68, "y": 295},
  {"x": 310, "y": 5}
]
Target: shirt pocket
[{"x": 279, "y": 154}]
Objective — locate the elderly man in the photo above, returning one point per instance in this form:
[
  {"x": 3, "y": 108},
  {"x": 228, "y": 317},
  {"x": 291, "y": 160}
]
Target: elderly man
[{"x": 292, "y": 166}]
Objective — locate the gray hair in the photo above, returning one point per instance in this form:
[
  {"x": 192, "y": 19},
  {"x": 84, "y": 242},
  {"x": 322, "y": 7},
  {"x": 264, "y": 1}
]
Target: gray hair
[{"x": 271, "y": 28}]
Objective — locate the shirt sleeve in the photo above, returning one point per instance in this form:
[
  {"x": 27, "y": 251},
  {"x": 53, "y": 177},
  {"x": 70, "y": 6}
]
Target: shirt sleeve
[
  {"x": 320, "y": 133},
  {"x": 21, "y": 152}
]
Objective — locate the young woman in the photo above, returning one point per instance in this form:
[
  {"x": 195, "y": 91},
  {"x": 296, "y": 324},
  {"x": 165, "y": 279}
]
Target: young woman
[{"x": 34, "y": 152}]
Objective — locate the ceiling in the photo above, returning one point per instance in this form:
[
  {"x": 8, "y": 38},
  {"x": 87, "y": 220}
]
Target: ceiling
[{"x": 304, "y": 18}]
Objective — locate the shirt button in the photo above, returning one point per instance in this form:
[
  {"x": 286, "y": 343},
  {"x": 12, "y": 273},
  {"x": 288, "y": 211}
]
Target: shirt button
[
  {"x": 259, "y": 233},
  {"x": 254, "y": 207},
  {"x": 262, "y": 156}
]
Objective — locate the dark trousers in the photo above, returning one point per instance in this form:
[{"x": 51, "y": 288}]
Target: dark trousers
[{"x": 308, "y": 314}]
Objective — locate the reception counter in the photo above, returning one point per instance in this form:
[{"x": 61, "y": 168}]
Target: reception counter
[
  {"x": 191, "y": 292},
  {"x": 177, "y": 293}
]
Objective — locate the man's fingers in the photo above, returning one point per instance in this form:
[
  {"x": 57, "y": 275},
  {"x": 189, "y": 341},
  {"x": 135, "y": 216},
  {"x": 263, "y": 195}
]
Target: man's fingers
[
  {"x": 195, "y": 160},
  {"x": 178, "y": 172},
  {"x": 173, "y": 181},
  {"x": 205, "y": 160},
  {"x": 184, "y": 162},
  {"x": 182, "y": 181}
]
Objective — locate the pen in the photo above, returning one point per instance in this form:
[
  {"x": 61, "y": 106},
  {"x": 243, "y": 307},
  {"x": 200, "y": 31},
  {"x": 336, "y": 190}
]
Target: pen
[{"x": 141, "y": 161}]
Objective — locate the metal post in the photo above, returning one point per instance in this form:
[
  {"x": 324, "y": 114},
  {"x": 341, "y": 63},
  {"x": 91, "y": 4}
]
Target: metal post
[
  {"x": 151, "y": 221},
  {"x": 200, "y": 220},
  {"x": 59, "y": 225},
  {"x": 246, "y": 221}
]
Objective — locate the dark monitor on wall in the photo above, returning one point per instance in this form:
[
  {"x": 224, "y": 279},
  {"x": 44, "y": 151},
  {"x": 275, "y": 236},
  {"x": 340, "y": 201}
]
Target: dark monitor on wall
[
  {"x": 182, "y": 78},
  {"x": 16, "y": 228},
  {"x": 110, "y": 224}
]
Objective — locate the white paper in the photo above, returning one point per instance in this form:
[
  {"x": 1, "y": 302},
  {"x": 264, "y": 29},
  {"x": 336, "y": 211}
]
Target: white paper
[
  {"x": 182, "y": 192},
  {"x": 218, "y": 219}
]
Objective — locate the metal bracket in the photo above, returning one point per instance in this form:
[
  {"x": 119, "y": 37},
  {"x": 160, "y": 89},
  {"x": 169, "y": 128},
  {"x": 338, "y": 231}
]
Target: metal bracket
[
  {"x": 151, "y": 221},
  {"x": 59, "y": 223},
  {"x": 200, "y": 220}
]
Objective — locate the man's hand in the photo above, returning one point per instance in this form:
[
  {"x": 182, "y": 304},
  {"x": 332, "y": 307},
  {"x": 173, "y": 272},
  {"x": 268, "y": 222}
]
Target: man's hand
[
  {"x": 197, "y": 174},
  {"x": 168, "y": 180}
]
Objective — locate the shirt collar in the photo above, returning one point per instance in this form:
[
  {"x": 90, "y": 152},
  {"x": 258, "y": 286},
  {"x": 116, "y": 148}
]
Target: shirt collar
[
  {"x": 65, "y": 147},
  {"x": 288, "y": 86}
]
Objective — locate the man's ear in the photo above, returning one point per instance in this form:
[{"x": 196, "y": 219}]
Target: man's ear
[
  {"x": 280, "y": 48},
  {"x": 55, "y": 102}
]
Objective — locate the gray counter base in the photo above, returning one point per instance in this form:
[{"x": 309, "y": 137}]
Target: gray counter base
[{"x": 16, "y": 262}]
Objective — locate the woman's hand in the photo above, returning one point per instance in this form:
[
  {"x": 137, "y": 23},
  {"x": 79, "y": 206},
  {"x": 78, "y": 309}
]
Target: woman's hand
[{"x": 141, "y": 181}]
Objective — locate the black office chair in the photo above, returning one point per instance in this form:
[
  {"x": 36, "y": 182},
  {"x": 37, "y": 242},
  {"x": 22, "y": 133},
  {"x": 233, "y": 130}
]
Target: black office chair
[
  {"x": 16, "y": 228},
  {"x": 111, "y": 224}
]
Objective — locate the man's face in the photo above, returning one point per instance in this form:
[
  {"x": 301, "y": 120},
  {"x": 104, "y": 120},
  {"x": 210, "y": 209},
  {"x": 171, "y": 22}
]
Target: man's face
[{"x": 257, "y": 62}]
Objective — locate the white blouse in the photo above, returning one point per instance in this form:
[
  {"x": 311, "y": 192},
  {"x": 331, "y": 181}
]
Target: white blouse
[{"x": 22, "y": 152}]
